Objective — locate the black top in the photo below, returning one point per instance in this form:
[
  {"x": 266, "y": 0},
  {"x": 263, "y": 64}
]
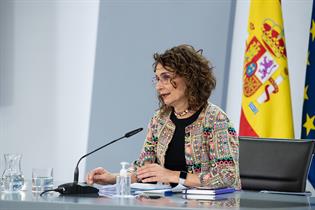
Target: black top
[{"x": 175, "y": 154}]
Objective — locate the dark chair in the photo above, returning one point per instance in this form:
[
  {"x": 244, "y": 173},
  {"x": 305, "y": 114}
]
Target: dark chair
[{"x": 275, "y": 164}]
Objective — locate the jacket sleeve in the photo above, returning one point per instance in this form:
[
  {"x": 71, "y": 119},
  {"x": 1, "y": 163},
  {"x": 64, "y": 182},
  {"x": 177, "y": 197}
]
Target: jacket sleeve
[
  {"x": 222, "y": 148},
  {"x": 148, "y": 152}
]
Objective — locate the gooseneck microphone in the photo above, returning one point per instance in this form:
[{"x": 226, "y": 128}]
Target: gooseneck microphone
[
  {"x": 75, "y": 188},
  {"x": 127, "y": 135}
]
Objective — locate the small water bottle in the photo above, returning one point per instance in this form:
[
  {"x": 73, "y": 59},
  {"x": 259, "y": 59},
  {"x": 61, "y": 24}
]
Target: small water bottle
[{"x": 123, "y": 181}]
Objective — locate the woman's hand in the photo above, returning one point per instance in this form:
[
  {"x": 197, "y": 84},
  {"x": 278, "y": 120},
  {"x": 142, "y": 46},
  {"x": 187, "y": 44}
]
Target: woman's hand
[
  {"x": 156, "y": 173},
  {"x": 100, "y": 176}
]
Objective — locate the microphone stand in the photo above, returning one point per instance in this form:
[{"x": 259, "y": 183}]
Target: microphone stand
[
  {"x": 75, "y": 188},
  {"x": 76, "y": 170}
]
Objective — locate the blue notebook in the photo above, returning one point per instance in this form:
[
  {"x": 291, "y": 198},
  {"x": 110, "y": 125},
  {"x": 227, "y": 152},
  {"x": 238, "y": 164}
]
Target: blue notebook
[
  {"x": 208, "y": 191},
  {"x": 205, "y": 197}
]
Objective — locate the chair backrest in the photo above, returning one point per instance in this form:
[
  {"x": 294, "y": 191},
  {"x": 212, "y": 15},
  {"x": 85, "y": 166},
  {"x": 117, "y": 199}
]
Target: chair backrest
[{"x": 275, "y": 164}]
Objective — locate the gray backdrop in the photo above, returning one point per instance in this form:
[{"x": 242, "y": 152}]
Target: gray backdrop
[
  {"x": 6, "y": 53},
  {"x": 129, "y": 32}
]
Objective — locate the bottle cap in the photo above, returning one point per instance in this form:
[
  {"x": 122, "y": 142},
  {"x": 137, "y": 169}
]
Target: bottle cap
[{"x": 123, "y": 170}]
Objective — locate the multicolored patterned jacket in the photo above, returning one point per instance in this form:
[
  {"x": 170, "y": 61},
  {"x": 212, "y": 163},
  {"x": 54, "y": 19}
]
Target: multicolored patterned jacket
[{"x": 211, "y": 146}]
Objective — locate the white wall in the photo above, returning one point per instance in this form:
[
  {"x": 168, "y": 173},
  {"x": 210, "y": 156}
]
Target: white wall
[
  {"x": 77, "y": 23},
  {"x": 297, "y": 19},
  {"x": 45, "y": 106}
]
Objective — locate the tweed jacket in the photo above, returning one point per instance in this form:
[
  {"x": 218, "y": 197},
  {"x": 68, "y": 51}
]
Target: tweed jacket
[{"x": 211, "y": 146}]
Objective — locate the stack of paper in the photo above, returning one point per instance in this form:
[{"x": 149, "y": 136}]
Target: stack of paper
[
  {"x": 141, "y": 188},
  {"x": 107, "y": 190}
]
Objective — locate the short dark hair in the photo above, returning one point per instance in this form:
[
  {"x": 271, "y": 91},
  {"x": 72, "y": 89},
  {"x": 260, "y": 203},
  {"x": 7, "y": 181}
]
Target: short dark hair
[{"x": 196, "y": 70}]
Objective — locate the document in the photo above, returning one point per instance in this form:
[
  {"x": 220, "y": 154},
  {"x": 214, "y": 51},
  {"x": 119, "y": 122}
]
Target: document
[
  {"x": 107, "y": 190},
  {"x": 145, "y": 186},
  {"x": 164, "y": 190},
  {"x": 136, "y": 188}
]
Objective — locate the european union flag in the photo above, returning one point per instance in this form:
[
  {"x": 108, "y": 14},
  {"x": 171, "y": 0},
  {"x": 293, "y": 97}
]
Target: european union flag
[{"x": 308, "y": 118}]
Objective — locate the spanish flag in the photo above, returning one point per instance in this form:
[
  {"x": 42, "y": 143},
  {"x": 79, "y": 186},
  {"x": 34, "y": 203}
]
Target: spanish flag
[
  {"x": 266, "y": 100},
  {"x": 308, "y": 116}
]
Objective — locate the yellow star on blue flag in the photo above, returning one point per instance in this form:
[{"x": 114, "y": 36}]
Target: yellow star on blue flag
[{"x": 308, "y": 116}]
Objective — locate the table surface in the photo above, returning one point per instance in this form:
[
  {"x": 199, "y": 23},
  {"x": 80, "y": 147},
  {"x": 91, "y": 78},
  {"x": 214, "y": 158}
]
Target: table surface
[{"x": 27, "y": 200}]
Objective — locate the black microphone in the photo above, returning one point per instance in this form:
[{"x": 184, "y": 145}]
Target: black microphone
[{"x": 75, "y": 188}]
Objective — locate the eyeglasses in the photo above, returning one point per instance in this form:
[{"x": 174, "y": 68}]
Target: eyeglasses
[{"x": 164, "y": 78}]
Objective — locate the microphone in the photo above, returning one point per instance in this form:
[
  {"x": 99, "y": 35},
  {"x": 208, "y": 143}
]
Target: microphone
[{"x": 75, "y": 188}]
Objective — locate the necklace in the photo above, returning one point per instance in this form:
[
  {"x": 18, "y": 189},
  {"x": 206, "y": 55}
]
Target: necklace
[{"x": 181, "y": 114}]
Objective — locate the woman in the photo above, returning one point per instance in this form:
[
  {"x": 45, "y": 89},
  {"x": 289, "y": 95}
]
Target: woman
[{"x": 189, "y": 141}]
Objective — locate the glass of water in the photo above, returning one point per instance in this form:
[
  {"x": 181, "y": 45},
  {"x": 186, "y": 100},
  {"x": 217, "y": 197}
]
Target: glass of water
[{"x": 42, "y": 179}]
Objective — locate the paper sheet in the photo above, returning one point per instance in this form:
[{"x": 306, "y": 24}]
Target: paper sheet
[{"x": 140, "y": 188}]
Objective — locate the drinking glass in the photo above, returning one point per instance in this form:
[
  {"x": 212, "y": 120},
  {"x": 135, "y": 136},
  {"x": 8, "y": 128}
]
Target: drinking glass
[{"x": 42, "y": 179}]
